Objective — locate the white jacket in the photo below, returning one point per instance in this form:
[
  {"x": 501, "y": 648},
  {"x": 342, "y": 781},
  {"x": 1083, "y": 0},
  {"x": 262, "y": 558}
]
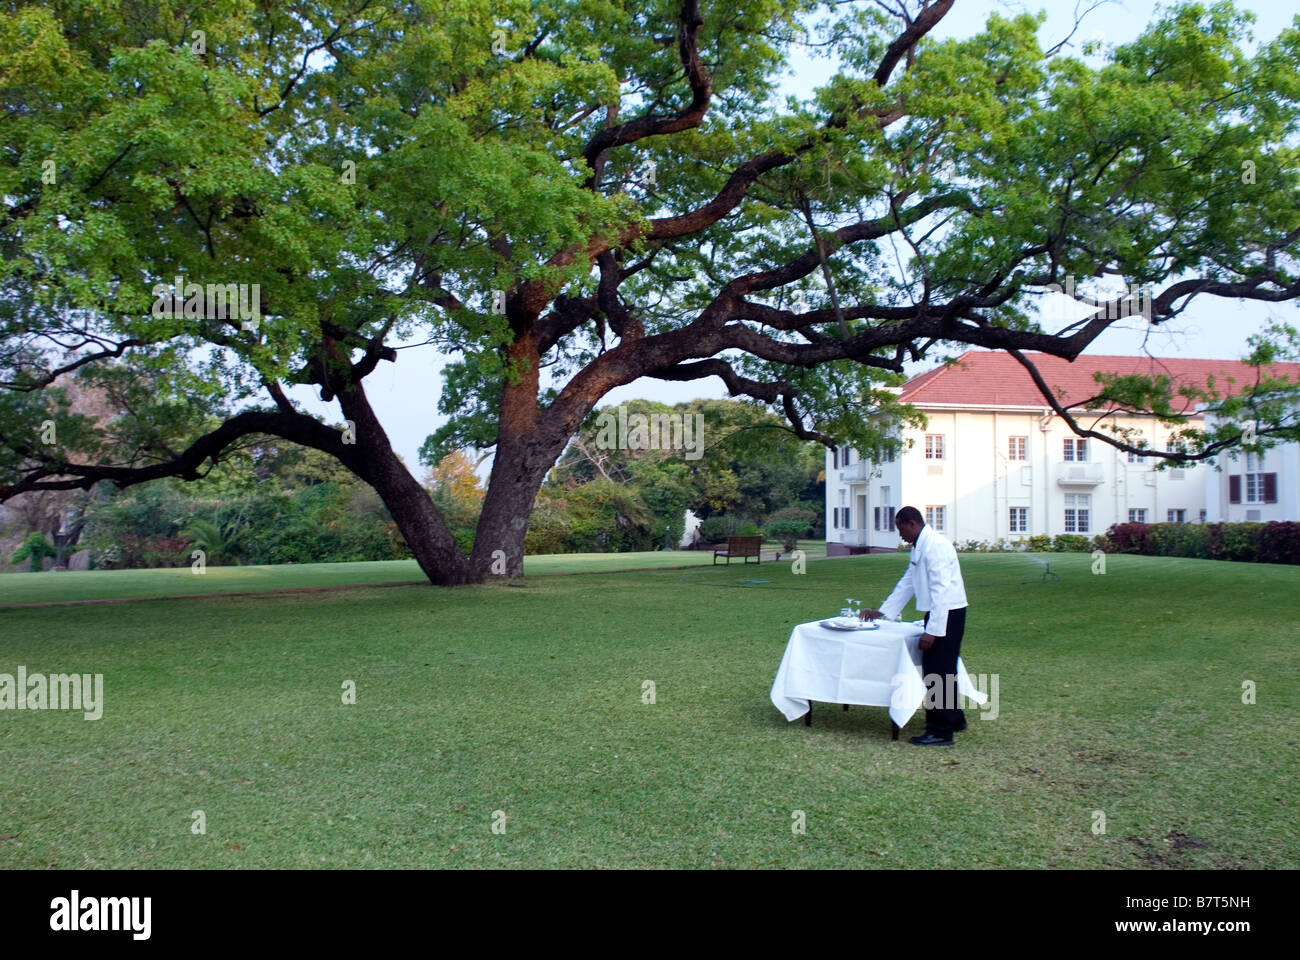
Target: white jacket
[{"x": 934, "y": 576}]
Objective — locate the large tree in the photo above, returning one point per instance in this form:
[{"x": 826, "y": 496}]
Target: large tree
[{"x": 567, "y": 195}]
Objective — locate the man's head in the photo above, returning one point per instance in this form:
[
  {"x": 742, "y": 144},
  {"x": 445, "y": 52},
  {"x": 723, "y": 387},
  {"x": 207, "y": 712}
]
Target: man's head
[{"x": 909, "y": 523}]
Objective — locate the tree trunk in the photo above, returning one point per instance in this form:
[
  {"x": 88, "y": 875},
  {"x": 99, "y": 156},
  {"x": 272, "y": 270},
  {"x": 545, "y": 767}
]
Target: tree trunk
[
  {"x": 527, "y": 447},
  {"x": 517, "y": 475},
  {"x": 423, "y": 528}
]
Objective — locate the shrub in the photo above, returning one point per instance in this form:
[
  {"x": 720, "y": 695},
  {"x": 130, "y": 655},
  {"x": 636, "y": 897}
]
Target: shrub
[
  {"x": 34, "y": 550},
  {"x": 799, "y": 519},
  {"x": 1070, "y": 543},
  {"x": 1279, "y": 542},
  {"x": 1040, "y": 543},
  {"x": 749, "y": 529},
  {"x": 787, "y": 531},
  {"x": 1178, "y": 540},
  {"x": 991, "y": 546},
  {"x": 1234, "y": 541},
  {"x": 1276, "y": 542},
  {"x": 716, "y": 529},
  {"x": 1127, "y": 537},
  {"x": 548, "y": 527}
]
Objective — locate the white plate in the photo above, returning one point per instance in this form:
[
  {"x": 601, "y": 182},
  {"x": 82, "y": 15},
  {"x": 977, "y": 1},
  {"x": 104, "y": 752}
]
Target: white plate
[{"x": 849, "y": 623}]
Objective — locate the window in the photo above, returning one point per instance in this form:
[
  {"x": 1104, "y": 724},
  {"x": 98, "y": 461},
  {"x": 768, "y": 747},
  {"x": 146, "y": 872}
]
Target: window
[
  {"x": 835, "y": 458},
  {"x": 1260, "y": 487},
  {"x": 1136, "y": 457},
  {"x": 1019, "y": 519},
  {"x": 1138, "y": 516},
  {"x": 1075, "y": 449},
  {"x": 884, "y": 516},
  {"x": 1177, "y": 516},
  {"x": 934, "y": 446},
  {"x": 844, "y": 456},
  {"x": 1076, "y": 512},
  {"x": 1016, "y": 448},
  {"x": 934, "y": 517},
  {"x": 1202, "y": 514}
]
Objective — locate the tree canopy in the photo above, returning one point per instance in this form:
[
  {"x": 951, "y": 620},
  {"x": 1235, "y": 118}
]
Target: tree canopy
[{"x": 566, "y": 195}]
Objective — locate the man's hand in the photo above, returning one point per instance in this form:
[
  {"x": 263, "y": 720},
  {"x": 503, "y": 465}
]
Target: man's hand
[
  {"x": 926, "y": 641},
  {"x": 869, "y": 614}
]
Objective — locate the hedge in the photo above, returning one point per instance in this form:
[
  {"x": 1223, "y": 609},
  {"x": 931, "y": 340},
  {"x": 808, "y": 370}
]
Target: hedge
[{"x": 1275, "y": 542}]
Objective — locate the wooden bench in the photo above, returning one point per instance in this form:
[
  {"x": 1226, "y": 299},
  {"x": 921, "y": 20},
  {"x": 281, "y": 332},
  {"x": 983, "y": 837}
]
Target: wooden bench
[{"x": 745, "y": 547}]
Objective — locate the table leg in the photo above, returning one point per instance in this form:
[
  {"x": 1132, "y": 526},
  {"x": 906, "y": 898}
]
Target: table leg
[
  {"x": 807, "y": 717},
  {"x": 893, "y": 729},
  {"x": 846, "y": 708}
]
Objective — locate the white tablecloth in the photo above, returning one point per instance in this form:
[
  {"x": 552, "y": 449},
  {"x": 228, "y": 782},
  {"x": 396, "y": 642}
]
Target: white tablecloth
[{"x": 875, "y": 668}]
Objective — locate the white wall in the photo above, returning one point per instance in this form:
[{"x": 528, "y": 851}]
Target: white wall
[
  {"x": 977, "y": 484},
  {"x": 1283, "y": 459}
]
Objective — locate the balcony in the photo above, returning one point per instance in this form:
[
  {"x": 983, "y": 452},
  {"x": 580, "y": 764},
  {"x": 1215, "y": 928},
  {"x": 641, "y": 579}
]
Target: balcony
[
  {"x": 854, "y": 538},
  {"x": 1079, "y": 474},
  {"x": 856, "y": 472}
]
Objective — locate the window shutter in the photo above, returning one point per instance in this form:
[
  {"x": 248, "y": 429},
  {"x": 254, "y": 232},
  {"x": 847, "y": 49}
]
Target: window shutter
[
  {"x": 835, "y": 460},
  {"x": 1234, "y": 488},
  {"x": 1270, "y": 488}
]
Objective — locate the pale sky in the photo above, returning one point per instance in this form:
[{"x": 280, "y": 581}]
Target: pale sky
[{"x": 405, "y": 394}]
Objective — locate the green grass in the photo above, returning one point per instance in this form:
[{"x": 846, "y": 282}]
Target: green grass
[
  {"x": 1119, "y": 693},
  {"x": 73, "y": 585}
]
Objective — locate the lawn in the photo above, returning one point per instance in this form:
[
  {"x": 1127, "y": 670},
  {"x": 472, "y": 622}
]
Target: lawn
[
  {"x": 76, "y": 585},
  {"x": 1119, "y": 693}
]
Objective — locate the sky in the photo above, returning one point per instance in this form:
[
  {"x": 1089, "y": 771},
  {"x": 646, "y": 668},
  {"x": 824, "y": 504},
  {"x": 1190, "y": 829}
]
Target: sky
[{"x": 405, "y": 394}]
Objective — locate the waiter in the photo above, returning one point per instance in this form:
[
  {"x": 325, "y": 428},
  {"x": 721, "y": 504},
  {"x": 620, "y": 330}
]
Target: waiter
[{"x": 934, "y": 576}]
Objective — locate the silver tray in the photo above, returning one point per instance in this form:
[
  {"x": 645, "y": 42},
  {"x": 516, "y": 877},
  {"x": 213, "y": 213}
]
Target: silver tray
[{"x": 835, "y": 624}]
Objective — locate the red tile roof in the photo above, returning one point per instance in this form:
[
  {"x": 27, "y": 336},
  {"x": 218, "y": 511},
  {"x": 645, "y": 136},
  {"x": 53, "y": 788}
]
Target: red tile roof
[{"x": 995, "y": 378}]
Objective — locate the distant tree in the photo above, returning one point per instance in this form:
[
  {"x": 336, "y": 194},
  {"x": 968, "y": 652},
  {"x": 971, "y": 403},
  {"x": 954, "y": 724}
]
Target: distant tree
[
  {"x": 565, "y": 196},
  {"x": 454, "y": 481}
]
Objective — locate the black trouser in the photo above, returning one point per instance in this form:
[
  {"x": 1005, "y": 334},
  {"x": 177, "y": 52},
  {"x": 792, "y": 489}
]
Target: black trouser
[{"x": 939, "y": 664}]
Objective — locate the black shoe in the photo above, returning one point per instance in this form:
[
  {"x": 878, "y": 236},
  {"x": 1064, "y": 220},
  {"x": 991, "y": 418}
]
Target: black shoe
[
  {"x": 960, "y": 727},
  {"x": 930, "y": 740}
]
